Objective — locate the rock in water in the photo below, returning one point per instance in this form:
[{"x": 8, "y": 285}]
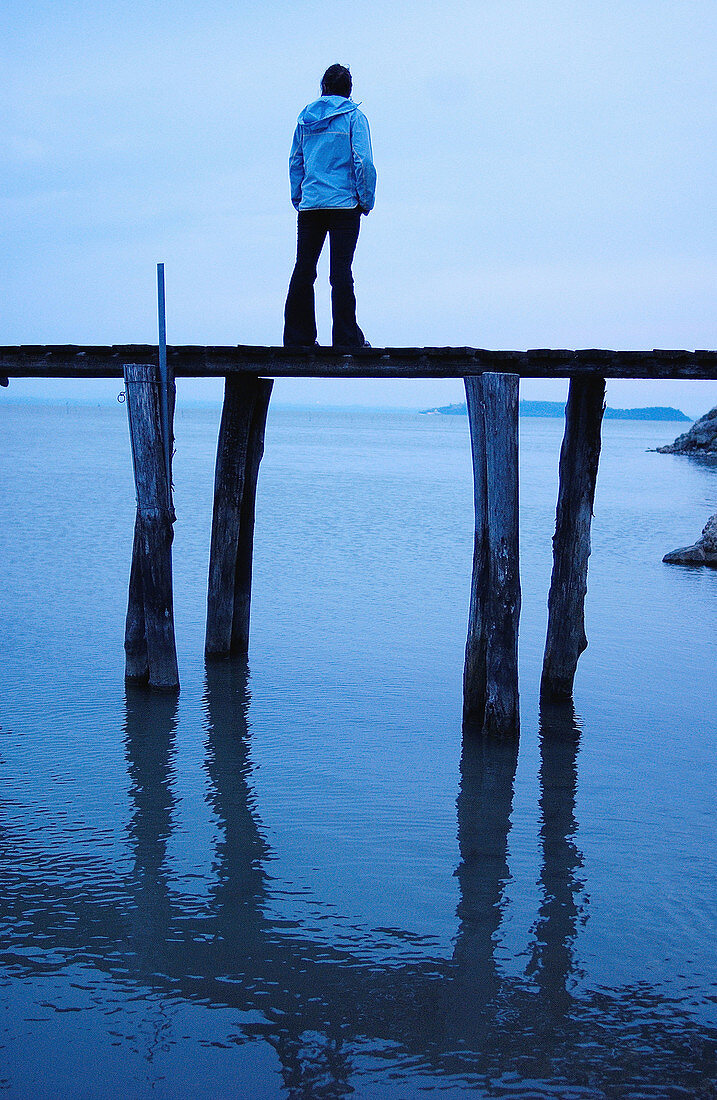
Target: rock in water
[
  {"x": 701, "y": 439},
  {"x": 704, "y": 551}
]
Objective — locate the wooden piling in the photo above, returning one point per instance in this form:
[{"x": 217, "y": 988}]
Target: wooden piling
[
  {"x": 579, "y": 457},
  {"x": 136, "y": 668},
  {"x": 151, "y": 655},
  {"x": 490, "y": 679},
  {"x": 239, "y": 453}
]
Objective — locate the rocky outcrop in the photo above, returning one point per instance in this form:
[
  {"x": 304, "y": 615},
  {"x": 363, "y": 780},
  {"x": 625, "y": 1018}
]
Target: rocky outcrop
[
  {"x": 701, "y": 439},
  {"x": 704, "y": 551}
]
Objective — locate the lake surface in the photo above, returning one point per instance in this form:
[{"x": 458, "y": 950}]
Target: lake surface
[{"x": 294, "y": 881}]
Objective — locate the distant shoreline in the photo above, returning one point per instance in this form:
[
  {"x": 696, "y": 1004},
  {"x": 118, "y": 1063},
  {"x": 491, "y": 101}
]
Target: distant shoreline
[
  {"x": 557, "y": 409},
  {"x": 547, "y": 409}
]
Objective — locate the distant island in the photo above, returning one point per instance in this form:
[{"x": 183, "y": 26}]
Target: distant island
[{"x": 557, "y": 409}]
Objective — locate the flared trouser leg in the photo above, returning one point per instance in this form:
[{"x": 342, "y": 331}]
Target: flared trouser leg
[
  {"x": 299, "y": 311},
  {"x": 343, "y": 235}
]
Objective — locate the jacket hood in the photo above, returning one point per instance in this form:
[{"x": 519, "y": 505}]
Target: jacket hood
[{"x": 319, "y": 114}]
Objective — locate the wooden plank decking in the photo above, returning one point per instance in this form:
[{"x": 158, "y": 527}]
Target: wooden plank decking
[{"x": 72, "y": 361}]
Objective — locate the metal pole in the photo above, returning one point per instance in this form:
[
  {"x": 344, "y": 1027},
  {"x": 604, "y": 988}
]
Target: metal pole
[{"x": 164, "y": 382}]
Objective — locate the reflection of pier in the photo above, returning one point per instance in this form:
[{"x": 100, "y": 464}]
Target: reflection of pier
[
  {"x": 485, "y": 803},
  {"x": 150, "y": 725},
  {"x": 556, "y": 929},
  {"x": 240, "y": 877},
  {"x": 310, "y": 999}
]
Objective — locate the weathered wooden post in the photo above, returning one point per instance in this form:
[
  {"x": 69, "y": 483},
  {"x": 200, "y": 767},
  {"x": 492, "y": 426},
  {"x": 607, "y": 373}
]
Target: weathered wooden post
[
  {"x": 490, "y": 678},
  {"x": 151, "y": 655},
  {"x": 239, "y": 453},
  {"x": 579, "y": 457}
]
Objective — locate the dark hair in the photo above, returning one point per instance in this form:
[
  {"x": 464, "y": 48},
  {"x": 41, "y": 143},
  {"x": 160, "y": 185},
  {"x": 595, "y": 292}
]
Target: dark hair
[{"x": 336, "y": 81}]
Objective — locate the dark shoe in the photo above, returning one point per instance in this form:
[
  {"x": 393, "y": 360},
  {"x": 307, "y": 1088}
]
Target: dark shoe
[{"x": 352, "y": 347}]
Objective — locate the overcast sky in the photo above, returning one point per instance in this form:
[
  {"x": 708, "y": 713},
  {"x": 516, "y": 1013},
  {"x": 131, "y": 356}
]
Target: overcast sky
[{"x": 546, "y": 177}]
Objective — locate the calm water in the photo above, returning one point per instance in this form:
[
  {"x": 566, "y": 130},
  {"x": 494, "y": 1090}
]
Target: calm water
[{"x": 293, "y": 881}]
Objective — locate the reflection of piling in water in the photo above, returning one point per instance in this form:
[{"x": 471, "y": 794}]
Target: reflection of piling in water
[
  {"x": 485, "y": 804},
  {"x": 314, "y": 1067},
  {"x": 560, "y": 909},
  {"x": 150, "y": 726},
  {"x": 312, "y": 1063},
  {"x": 240, "y": 884},
  {"x": 320, "y": 1004}
]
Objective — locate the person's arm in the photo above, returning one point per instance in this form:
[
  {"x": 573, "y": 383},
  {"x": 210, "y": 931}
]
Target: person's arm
[
  {"x": 296, "y": 168},
  {"x": 362, "y": 154}
]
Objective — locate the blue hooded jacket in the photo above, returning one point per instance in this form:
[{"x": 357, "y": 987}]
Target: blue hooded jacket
[{"x": 331, "y": 162}]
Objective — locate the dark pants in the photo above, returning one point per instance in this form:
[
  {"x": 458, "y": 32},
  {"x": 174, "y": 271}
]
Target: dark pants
[{"x": 342, "y": 227}]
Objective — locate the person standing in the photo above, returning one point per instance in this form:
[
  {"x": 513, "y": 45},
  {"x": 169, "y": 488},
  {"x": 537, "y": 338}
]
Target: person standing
[{"x": 333, "y": 182}]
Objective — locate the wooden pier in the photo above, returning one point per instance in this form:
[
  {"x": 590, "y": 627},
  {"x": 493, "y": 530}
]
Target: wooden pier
[
  {"x": 492, "y": 384},
  {"x": 72, "y": 361}
]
